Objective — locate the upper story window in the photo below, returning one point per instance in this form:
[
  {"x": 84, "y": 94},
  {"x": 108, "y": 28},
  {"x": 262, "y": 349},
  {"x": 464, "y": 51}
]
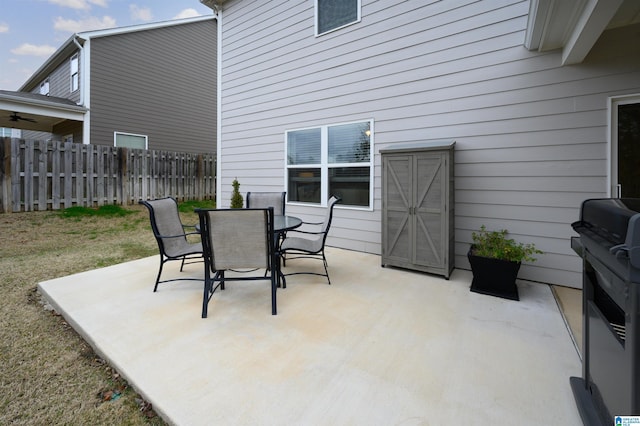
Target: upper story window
[
  {"x": 44, "y": 87},
  {"x": 74, "y": 73},
  {"x": 334, "y": 14},
  {"x": 331, "y": 160},
  {"x": 130, "y": 140}
]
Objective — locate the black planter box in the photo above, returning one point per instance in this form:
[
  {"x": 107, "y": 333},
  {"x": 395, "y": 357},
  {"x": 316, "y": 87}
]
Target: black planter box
[{"x": 494, "y": 277}]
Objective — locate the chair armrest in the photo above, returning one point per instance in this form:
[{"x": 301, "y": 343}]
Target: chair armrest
[
  {"x": 305, "y": 232},
  {"x": 178, "y": 236}
]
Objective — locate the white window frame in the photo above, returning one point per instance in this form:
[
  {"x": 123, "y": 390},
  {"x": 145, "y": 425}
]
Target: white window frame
[
  {"x": 74, "y": 76},
  {"x": 325, "y": 165},
  {"x": 317, "y": 29},
  {"x": 115, "y": 137},
  {"x": 613, "y": 189},
  {"x": 45, "y": 88}
]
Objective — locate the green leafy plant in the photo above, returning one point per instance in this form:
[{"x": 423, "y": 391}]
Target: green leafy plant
[
  {"x": 496, "y": 245},
  {"x": 237, "y": 201}
]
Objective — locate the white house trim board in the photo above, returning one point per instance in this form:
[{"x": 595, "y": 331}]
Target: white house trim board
[
  {"x": 219, "y": 107},
  {"x": 593, "y": 21},
  {"x": 612, "y": 149},
  {"x": 142, "y": 27}
]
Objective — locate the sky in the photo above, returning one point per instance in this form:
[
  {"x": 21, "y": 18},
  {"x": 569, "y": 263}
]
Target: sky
[{"x": 32, "y": 30}]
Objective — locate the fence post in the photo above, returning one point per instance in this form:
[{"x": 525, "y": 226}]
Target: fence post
[
  {"x": 123, "y": 175},
  {"x": 5, "y": 174}
]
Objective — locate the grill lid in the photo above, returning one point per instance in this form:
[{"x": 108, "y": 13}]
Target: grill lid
[{"x": 613, "y": 223}]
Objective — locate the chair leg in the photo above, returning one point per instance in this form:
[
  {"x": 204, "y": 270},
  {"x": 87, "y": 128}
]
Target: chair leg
[
  {"x": 274, "y": 309},
  {"x": 326, "y": 271},
  {"x": 182, "y": 264},
  {"x": 205, "y": 296},
  {"x": 159, "y": 273}
]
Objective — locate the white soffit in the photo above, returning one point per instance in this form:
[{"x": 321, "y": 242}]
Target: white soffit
[{"x": 575, "y": 25}]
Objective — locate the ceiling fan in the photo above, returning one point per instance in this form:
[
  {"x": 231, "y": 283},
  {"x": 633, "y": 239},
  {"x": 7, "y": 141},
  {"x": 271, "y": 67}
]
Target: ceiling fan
[{"x": 16, "y": 117}]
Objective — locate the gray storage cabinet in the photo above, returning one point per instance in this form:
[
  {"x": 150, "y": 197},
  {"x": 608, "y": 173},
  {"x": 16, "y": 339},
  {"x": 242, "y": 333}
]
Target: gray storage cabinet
[{"x": 417, "y": 207}]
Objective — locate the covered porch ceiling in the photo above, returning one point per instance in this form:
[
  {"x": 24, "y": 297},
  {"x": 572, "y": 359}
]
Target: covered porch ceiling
[
  {"x": 575, "y": 25},
  {"x": 29, "y": 111}
]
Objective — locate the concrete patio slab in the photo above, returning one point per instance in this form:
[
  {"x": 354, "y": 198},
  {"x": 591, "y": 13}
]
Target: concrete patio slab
[{"x": 379, "y": 346}]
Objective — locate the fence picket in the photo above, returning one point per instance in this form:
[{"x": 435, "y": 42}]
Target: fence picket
[{"x": 46, "y": 175}]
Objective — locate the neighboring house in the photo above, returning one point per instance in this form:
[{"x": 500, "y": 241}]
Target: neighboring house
[
  {"x": 147, "y": 86},
  {"x": 532, "y": 92},
  {"x": 9, "y": 133}
]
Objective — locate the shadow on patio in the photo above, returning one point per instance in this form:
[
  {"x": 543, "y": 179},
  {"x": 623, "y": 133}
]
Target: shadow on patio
[{"x": 378, "y": 346}]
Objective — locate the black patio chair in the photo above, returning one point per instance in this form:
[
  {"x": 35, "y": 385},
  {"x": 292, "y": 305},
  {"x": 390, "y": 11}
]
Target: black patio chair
[
  {"x": 263, "y": 200},
  {"x": 235, "y": 239},
  {"x": 171, "y": 236},
  {"x": 310, "y": 244}
]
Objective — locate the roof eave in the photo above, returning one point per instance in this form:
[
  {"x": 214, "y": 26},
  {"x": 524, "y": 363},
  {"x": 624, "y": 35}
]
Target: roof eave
[
  {"x": 50, "y": 64},
  {"x": 71, "y": 45},
  {"x": 571, "y": 25}
]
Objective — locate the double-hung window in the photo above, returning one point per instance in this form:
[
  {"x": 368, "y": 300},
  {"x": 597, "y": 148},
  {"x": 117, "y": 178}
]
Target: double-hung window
[
  {"x": 334, "y": 14},
  {"x": 331, "y": 160},
  {"x": 74, "y": 73}
]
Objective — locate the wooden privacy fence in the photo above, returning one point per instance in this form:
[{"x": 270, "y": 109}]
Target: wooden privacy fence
[{"x": 45, "y": 175}]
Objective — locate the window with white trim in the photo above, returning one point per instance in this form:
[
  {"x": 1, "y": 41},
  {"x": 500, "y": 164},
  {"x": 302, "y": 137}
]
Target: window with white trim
[
  {"x": 44, "y": 87},
  {"x": 74, "y": 73},
  {"x": 334, "y": 14},
  {"x": 331, "y": 160},
  {"x": 129, "y": 140}
]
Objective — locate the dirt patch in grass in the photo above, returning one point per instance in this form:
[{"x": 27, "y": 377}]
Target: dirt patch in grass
[{"x": 48, "y": 373}]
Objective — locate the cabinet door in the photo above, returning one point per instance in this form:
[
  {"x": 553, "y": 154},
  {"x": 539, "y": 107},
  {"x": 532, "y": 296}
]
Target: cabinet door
[
  {"x": 430, "y": 210},
  {"x": 398, "y": 193}
]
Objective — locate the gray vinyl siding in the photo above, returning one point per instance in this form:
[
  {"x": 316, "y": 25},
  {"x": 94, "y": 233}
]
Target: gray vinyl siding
[
  {"x": 158, "y": 82},
  {"x": 60, "y": 82},
  {"x": 531, "y": 135}
]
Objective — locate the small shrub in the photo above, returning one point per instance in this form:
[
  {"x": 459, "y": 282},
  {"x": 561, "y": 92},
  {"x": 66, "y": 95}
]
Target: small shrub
[
  {"x": 237, "y": 202},
  {"x": 496, "y": 245}
]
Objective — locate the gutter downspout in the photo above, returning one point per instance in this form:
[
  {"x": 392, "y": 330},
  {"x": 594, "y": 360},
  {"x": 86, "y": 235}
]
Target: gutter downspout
[
  {"x": 216, "y": 7},
  {"x": 218, "y": 13},
  {"x": 83, "y": 86}
]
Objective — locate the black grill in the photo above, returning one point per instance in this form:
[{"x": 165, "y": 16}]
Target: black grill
[{"x": 609, "y": 245}]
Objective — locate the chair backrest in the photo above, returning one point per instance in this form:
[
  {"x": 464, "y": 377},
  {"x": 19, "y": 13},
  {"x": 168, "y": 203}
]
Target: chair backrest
[
  {"x": 329, "y": 214},
  {"x": 237, "y": 238},
  {"x": 262, "y": 200},
  {"x": 166, "y": 224}
]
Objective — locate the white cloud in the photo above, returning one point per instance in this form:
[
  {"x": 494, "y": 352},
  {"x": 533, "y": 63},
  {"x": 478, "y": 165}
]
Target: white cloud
[
  {"x": 28, "y": 49},
  {"x": 4, "y": 28},
  {"x": 79, "y": 4},
  {"x": 73, "y": 4},
  {"x": 187, "y": 13},
  {"x": 140, "y": 13},
  {"x": 89, "y": 24}
]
